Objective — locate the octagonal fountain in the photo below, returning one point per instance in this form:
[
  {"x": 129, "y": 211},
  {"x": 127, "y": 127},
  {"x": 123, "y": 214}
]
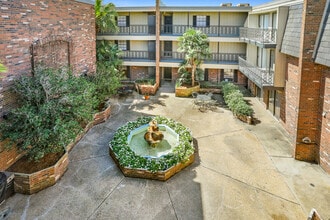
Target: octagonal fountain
[{"x": 153, "y": 148}]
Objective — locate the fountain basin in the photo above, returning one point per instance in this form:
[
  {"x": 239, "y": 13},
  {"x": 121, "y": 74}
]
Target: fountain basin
[
  {"x": 134, "y": 161},
  {"x": 137, "y": 143}
]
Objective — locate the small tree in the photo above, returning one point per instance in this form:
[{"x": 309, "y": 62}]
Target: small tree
[
  {"x": 105, "y": 16},
  {"x": 109, "y": 73},
  {"x": 195, "y": 45}
]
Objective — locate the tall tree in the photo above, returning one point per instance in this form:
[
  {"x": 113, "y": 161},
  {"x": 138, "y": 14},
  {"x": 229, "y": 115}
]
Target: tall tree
[
  {"x": 195, "y": 45},
  {"x": 105, "y": 16}
]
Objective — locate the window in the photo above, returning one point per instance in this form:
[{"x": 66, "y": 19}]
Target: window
[
  {"x": 123, "y": 21},
  {"x": 123, "y": 45},
  {"x": 201, "y": 21}
]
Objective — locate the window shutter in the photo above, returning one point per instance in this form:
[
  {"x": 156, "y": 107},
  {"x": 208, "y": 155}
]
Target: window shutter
[
  {"x": 208, "y": 21},
  {"x": 127, "y": 21},
  {"x": 206, "y": 75},
  {"x": 127, "y": 45},
  {"x": 194, "y": 21}
]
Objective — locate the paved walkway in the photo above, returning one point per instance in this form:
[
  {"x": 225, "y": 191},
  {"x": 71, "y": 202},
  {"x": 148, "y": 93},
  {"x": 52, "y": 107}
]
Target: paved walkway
[{"x": 241, "y": 172}]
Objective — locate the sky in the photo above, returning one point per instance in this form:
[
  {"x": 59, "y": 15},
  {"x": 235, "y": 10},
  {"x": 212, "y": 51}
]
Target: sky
[{"x": 120, "y": 3}]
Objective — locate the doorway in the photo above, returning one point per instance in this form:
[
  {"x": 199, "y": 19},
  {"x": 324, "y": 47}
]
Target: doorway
[{"x": 168, "y": 22}]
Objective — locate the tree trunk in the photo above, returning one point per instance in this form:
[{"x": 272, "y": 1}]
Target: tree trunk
[{"x": 193, "y": 75}]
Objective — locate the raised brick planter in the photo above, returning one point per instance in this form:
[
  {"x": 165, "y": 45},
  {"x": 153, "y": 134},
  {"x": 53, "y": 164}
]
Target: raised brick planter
[
  {"x": 101, "y": 117},
  {"x": 34, "y": 182},
  {"x": 8, "y": 156},
  {"x": 147, "y": 89},
  {"x": 183, "y": 91},
  {"x": 244, "y": 118},
  {"x": 160, "y": 175}
]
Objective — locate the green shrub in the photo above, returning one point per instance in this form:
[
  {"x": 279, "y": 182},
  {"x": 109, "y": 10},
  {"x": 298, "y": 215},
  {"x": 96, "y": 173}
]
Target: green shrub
[
  {"x": 234, "y": 99},
  {"x": 106, "y": 80},
  {"x": 54, "y": 108},
  {"x": 145, "y": 81}
]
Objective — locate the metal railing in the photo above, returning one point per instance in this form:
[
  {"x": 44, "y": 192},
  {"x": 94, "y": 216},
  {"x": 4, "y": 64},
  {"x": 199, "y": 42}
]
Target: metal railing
[
  {"x": 263, "y": 36},
  {"x": 138, "y": 55},
  {"x": 215, "y": 31},
  {"x": 132, "y": 30},
  {"x": 214, "y": 58},
  {"x": 261, "y": 77}
]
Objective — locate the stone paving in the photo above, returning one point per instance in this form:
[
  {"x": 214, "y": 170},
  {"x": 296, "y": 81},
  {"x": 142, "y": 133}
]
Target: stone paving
[{"x": 241, "y": 172}]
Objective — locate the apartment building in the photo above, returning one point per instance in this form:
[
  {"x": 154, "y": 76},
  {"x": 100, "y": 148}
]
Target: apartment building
[
  {"x": 264, "y": 65},
  {"x": 288, "y": 68},
  {"x": 149, "y": 42}
]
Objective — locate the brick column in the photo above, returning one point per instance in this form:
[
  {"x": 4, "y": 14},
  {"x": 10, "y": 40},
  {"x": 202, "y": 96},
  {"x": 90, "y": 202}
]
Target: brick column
[{"x": 310, "y": 78}]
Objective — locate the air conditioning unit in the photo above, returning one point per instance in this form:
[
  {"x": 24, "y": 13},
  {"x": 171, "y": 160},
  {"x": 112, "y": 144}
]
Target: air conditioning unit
[
  {"x": 226, "y": 4},
  {"x": 243, "y": 5}
]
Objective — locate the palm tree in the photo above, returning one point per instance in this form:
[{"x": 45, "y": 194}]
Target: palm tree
[
  {"x": 105, "y": 16},
  {"x": 195, "y": 45}
]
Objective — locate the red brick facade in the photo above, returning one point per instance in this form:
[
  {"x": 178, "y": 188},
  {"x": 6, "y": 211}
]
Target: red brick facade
[
  {"x": 139, "y": 72},
  {"x": 213, "y": 75},
  {"x": 62, "y": 32},
  {"x": 324, "y": 118},
  {"x": 291, "y": 96},
  {"x": 307, "y": 94}
]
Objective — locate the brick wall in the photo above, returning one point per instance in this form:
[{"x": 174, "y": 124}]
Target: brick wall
[
  {"x": 241, "y": 79},
  {"x": 292, "y": 87},
  {"x": 30, "y": 22},
  {"x": 139, "y": 72},
  {"x": 324, "y": 118},
  {"x": 310, "y": 79},
  {"x": 213, "y": 75},
  {"x": 8, "y": 156},
  {"x": 175, "y": 74}
]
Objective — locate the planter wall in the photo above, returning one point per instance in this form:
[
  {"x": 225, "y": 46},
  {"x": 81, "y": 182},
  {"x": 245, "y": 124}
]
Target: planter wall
[
  {"x": 182, "y": 91},
  {"x": 34, "y": 182},
  {"x": 101, "y": 117},
  {"x": 160, "y": 175},
  {"x": 244, "y": 118},
  {"x": 8, "y": 156},
  {"x": 147, "y": 89}
]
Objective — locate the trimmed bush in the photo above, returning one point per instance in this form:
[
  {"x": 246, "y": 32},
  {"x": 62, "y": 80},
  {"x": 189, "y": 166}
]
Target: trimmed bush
[{"x": 235, "y": 101}]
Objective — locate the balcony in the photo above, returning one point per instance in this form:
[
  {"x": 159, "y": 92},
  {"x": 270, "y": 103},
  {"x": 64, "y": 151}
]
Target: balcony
[
  {"x": 265, "y": 38},
  {"x": 132, "y": 30},
  {"x": 261, "y": 77},
  {"x": 138, "y": 55},
  {"x": 211, "y": 31},
  {"x": 218, "y": 58}
]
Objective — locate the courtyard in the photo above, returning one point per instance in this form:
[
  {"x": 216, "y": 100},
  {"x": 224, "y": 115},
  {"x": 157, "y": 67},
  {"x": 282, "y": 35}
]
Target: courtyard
[{"x": 240, "y": 171}]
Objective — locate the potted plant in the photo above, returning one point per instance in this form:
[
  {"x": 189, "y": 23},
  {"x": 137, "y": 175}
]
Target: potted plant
[
  {"x": 55, "y": 106},
  {"x": 195, "y": 45}
]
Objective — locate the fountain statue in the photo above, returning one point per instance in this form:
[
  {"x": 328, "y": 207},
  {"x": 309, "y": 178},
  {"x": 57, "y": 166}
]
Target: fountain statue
[{"x": 153, "y": 136}]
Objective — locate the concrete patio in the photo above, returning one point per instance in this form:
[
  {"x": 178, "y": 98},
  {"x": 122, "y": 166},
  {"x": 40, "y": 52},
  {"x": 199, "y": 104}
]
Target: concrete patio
[{"x": 241, "y": 171}]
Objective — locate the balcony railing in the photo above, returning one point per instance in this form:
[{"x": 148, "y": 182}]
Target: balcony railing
[
  {"x": 132, "y": 30},
  {"x": 258, "y": 35},
  {"x": 212, "y": 31},
  {"x": 261, "y": 77},
  {"x": 231, "y": 58},
  {"x": 138, "y": 55}
]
